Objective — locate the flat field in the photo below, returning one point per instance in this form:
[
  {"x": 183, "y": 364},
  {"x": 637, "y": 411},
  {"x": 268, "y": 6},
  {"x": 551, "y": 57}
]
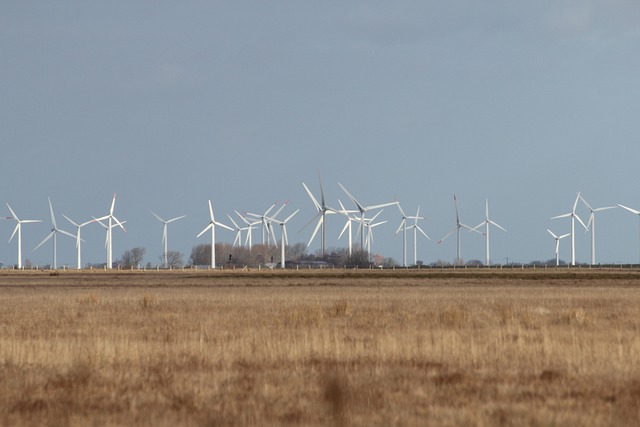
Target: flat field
[{"x": 332, "y": 347}]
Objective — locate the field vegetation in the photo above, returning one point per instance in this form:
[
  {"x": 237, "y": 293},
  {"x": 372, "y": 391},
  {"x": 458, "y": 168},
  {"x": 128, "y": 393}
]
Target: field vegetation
[{"x": 334, "y": 347}]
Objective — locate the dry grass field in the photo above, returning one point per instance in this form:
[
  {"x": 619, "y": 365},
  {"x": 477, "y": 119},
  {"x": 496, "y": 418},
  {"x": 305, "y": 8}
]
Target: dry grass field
[{"x": 203, "y": 348}]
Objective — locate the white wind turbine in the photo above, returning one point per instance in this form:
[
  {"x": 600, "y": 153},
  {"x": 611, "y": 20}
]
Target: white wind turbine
[
  {"x": 592, "y": 223},
  {"x": 248, "y": 241},
  {"x": 403, "y": 227},
  {"x": 486, "y": 223},
  {"x": 323, "y": 210},
  {"x": 573, "y": 217},
  {"x": 78, "y": 239},
  {"x": 18, "y": 230},
  {"x": 633, "y": 211},
  {"x": 456, "y": 229},
  {"x": 238, "y": 240},
  {"x": 369, "y": 225},
  {"x": 111, "y": 223},
  {"x": 212, "y": 226},
  {"x": 284, "y": 240},
  {"x": 363, "y": 210},
  {"x": 347, "y": 225},
  {"x": 54, "y": 233},
  {"x": 558, "y": 244},
  {"x": 266, "y": 223},
  {"x": 417, "y": 228},
  {"x": 164, "y": 233}
]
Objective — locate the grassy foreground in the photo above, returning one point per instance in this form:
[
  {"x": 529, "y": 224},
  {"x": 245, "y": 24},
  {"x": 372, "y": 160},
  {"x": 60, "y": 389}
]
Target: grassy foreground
[{"x": 320, "y": 348}]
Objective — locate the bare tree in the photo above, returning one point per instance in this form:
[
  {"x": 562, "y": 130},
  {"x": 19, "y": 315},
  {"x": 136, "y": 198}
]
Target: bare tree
[
  {"x": 132, "y": 257},
  {"x": 174, "y": 259}
]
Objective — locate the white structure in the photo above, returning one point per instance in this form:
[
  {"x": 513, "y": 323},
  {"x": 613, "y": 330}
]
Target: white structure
[
  {"x": 265, "y": 219},
  {"x": 417, "y": 228},
  {"x": 363, "y": 210},
  {"x": 78, "y": 239},
  {"x": 111, "y": 223},
  {"x": 54, "y": 233},
  {"x": 403, "y": 227},
  {"x": 456, "y": 229},
  {"x": 558, "y": 238},
  {"x": 284, "y": 240},
  {"x": 248, "y": 241},
  {"x": 573, "y": 217},
  {"x": 369, "y": 225},
  {"x": 18, "y": 230},
  {"x": 164, "y": 233},
  {"x": 486, "y": 223},
  {"x": 212, "y": 226},
  {"x": 347, "y": 225},
  {"x": 592, "y": 224},
  {"x": 323, "y": 210}
]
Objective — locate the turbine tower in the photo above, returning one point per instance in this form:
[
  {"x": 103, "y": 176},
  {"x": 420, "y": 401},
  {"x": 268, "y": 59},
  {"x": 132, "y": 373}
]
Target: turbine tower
[
  {"x": 78, "y": 239},
  {"x": 456, "y": 229},
  {"x": 212, "y": 226},
  {"x": 486, "y": 223},
  {"x": 592, "y": 223},
  {"x": 573, "y": 217},
  {"x": 18, "y": 230},
  {"x": 323, "y": 210},
  {"x": 164, "y": 233},
  {"x": 363, "y": 210},
  {"x": 54, "y": 233},
  {"x": 284, "y": 240},
  {"x": 558, "y": 238},
  {"x": 110, "y": 225}
]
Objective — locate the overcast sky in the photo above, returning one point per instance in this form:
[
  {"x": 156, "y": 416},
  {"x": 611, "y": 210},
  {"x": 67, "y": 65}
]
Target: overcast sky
[{"x": 170, "y": 104}]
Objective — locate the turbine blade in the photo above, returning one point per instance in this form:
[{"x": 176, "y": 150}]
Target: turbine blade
[
  {"x": 69, "y": 219},
  {"x": 448, "y": 234},
  {"x": 176, "y": 218},
  {"x": 113, "y": 204},
  {"x": 53, "y": 217},
  {"x": 50, "y": 235},
  {"x": 205, "y": 229},
  {"x": 159, "y": 219},
  {"x": 313, "y": 199},
  {"x": 622, "y": 206},
  {"x": 315, "y": 231}
]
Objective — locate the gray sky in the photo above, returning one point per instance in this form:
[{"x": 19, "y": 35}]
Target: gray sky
[{"x": 170, "y": 104}]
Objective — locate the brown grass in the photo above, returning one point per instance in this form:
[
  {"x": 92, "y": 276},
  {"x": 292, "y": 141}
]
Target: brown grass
[{"x": 320, "y": 348}]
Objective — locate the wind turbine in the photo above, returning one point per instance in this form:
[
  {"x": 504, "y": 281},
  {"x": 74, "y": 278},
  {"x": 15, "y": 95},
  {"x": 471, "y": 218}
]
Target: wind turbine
[
  {"x": 573, "y": 217},
  {"x": 633, "y": 211},
  {"x": 284, "y": 239},
  {"x": 78, "y": 239},
  {"x": 265, "y": 220},
  {"x": 592, "y": 223},
  {"x": 248, "y": 241},
  {"x": 369, "y": 225},
  {"x": 18, "y": 229},
  {"x": 558, "y": 244},
  {"x": 486, "y": 223},
  {"x": 54, "y": 233},
  {"x": 363, "y": 210},
  {"x": 111, "y": 219},
  {"x": 212, "y": 226},
  {"x": 417, "y": 228},
  {"x": 347, "y": 225},
  {"x": 164, "y": 233},
  {"x": 238, "y": 230},
  {"x": 456, "y": 229},
  {"x": 403, "y": 227},
  {"x": 323, "y": 210}
]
